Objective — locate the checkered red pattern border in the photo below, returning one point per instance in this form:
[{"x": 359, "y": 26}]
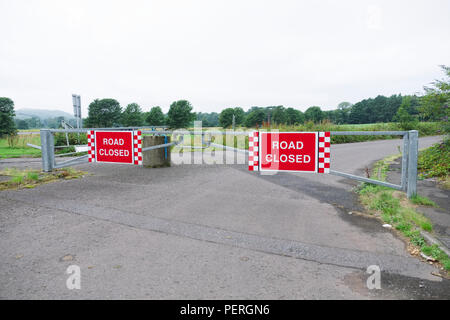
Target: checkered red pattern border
[
  {"x": 137, "y": 142},
  {"x": 253, "y": 149},
  {"x": 91, "y": 146},
  {"x": 324, "y": 152}
]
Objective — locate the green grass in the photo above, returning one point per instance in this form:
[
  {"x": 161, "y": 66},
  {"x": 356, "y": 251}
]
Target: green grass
[
  {"x": 395, "y": 209},
  {"x": 20, "y": 149},
  {"x": 31, "y": 178},
  {"x": 434, "y": 162},
  {"x": 422, "y": 201}
]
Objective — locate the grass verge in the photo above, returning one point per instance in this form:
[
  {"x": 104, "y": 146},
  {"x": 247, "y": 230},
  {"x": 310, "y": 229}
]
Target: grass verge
[
  {"x": 27, "y": 179},
  {"x": 392, "y": 207},
  {"x": 434, "y": 162}
]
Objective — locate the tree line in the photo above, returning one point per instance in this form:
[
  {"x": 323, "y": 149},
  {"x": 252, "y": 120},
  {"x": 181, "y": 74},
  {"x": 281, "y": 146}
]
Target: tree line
[
  {"x": 406, "y": 110},
  {"x": 108, "y": 113}
]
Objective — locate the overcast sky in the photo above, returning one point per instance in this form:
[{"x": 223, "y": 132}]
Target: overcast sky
[{"x": 218, "y": 54}]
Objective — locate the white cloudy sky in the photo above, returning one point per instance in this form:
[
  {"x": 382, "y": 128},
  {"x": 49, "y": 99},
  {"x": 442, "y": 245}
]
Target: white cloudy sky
[{"x": 218, "y": 54}]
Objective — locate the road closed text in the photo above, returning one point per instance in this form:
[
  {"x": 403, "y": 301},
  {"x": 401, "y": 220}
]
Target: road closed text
[
  {"x": 114, "y": 152},
  {"x": 114, "y": 146},
  {"x": 286, "y": 151},
  {"x": 291, "y": 158}
]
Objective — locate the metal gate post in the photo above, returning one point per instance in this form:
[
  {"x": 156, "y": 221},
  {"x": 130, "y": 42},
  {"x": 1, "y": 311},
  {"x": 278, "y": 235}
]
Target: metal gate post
[
  {"x": 405, "y": 153},
  {"x": 47, "y": 150},
  {"x": 412, "y": 163}
]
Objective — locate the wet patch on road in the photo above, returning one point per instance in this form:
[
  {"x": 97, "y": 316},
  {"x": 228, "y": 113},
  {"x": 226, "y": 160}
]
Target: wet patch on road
[{"x": 395, "y": 286}]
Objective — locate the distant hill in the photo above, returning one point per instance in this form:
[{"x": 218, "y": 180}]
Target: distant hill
[{"x": 42, "y": 114}]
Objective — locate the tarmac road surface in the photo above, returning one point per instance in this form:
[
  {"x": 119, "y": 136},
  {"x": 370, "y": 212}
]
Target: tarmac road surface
[{"x": 205, "y": 232}]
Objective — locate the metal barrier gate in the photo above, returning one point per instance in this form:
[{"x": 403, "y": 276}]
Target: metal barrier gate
[{"x": 409, "y": 152}]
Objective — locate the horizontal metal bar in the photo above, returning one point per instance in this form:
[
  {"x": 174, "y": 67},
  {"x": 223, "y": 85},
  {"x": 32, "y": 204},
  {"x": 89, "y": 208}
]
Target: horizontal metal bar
[
  {"x": 73, "y": 163},
  {"x": 228, "y": 148},
  {"x": 368, "y": 133},
  {"x": 70, "y": 162},
  {"x": 192, "y": 147},
  {"x": 351, "y": 176},
  {"x": 104, "y": 129},
  {"x": 34, "y": 146},
  {"x": 68, "y": 153},
  {"x": 159, "y": 146}
]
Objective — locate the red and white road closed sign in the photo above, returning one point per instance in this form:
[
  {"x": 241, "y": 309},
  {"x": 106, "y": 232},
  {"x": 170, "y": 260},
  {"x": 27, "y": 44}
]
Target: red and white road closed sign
[
  {"x": 115, "y": 146},
  {"x": 289, "y": 151}
]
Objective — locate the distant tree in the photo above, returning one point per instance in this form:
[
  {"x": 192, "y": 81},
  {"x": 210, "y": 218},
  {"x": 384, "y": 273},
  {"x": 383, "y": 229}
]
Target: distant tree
[
  {"x": 155, "y": 117},
  {"x": 344, "y": 105},
  {"x": 380, "y": 109},
  {"x": 7, "y": 125},
  {"x": 343, "y": 112},
  {"x": 21, "y": 124},
  {"x": 226, "y": 117},
  {"x": 406, "y": 120},
  {"x": 104, "y": 113},
  {"x": 180, "y": 114},
  {"x": 434, "y": 105},
  {"x": 279, "y": 115},
  {"x": 255, "y": 117},
  {"x": 132, "y": 116},
  {"x": 294, "y": 116},
  {"x": 314, "y": 114},
  {"x": 330, "y": 115},
  {"x": 239, "y": 115},
  {"x": 34, "y": 122},
  {"x": 208, "y": 119}
]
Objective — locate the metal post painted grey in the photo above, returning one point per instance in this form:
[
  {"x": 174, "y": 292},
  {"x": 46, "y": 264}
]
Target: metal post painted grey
[
  {"x": 405, "y": 161},
  {"x": 47, "y": 150},
  {"x": 411, "y": 189}
]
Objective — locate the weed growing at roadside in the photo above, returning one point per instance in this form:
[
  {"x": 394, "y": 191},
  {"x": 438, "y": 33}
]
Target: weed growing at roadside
[
  {"x": 395, "y": 209},
  {"x": 32, "y": 178}
]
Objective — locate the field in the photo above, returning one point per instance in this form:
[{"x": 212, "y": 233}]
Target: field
[{"x": 20, "y": 148}]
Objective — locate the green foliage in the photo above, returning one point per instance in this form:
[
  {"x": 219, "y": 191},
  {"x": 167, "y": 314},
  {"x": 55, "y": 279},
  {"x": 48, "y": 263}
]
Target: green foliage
[
  {"x": 20, "y": 148},
  {"x": 403, "y": 116},
  {"x": 104, "y": 113},
  {"x": 423, "y": 201},
  {"x": 226, "y": 117},
  {"x": 13, "y": 140},
  {"x": 208, "y": 119},
  {"x": 380, "y": 109},
  {"x": 435, "y": 161},
  {"x": 132, "y": 116},
  {"x": 314, "y": 114},
  {"x": 279, "y": 115},
  {"x": 403, "y": 217},
  {"x": 180, "y": 114},
  {"x": 155, "y": 117},
  {"x": 294, "y": 116},
  {"x": 7, "y": 125},
  {"x": 434, "y": 105},
  {"x": 21, "y": 124},
  {"x": 255, "y": 117},
  {"x": 74, "y": 138},
  {"x": 31, "y": 178}
]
